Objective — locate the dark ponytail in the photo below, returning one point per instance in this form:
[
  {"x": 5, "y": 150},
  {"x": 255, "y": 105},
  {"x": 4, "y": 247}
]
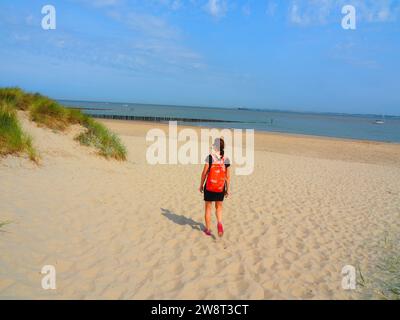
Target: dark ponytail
[{"x": 220, "y": 144}]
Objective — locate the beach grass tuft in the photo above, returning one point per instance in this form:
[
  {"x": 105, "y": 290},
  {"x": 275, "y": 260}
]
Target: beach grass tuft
[
  {"x": 13, "y": 140},
  {"x": 98, "y": 136},
  {"x": 16, "y": 97},
  {"x": 49, "y": 113},
  {"x": 384, "y": 279},
  {"x": 4, "y": 223},
  {"x": 390, "y": 283}
]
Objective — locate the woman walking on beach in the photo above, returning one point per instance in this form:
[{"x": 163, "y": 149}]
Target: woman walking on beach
[{"x": 215, "y": 183}]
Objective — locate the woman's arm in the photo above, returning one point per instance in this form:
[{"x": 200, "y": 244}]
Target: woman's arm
[
  {"x": 203, "y": 177},
  {"x": 228, "y": 182}
]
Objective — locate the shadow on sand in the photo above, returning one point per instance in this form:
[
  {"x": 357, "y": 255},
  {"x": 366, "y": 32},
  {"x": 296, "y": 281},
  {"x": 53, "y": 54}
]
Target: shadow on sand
[{"x": 182, "y": 220}]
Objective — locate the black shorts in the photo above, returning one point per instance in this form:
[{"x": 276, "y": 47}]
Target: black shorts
[{"x": 213, "y": 196}]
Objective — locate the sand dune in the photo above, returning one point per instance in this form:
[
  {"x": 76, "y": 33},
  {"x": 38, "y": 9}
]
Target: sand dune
[{"x": 128, "y": 230}]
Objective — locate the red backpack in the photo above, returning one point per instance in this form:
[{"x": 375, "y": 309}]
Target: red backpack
[{"x": 216, "y": 175}]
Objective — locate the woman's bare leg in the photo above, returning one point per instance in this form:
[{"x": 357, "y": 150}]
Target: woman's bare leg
[
  {"x": 218, "y": 210},
  {"x": 208, "y": 206}
]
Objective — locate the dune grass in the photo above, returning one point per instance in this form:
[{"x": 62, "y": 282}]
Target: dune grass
[
  {"x": 13, "y": 140},
  {"x": 98, "y": 136},
  {"x": 49, "y": 113},
  {"x": 383, "y": 281},
  {"x": 16, "y": 97},
  {"x": 3, "y": 223},
  {"x": 388, "y": 269}
]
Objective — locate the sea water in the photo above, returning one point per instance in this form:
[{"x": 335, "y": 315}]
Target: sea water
[{"x": 349, "y": 126}]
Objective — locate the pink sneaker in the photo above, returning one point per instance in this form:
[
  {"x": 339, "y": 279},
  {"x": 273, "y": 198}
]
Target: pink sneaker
[
  {"x": 220, "y": 229},
  {"x": 207, "y": 232}
]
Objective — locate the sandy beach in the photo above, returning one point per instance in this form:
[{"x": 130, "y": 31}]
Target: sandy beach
[{"x": 129, "y": 230}]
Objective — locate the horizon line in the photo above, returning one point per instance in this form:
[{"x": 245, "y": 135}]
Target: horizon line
[{"x": 242, "y": 108}]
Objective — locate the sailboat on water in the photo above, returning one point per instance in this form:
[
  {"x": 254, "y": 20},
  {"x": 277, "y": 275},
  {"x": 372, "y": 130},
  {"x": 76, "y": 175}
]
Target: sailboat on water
[{"x": 380, "y": 121}]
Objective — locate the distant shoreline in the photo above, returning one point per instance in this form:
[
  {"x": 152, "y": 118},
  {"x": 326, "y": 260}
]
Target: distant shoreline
[
  {"x": 306, "y": 112},
  {"x": 166, "y": 119}
]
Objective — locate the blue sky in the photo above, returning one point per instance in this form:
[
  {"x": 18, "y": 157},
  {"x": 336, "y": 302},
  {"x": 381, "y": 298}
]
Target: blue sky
[{"x": 291, "y": 55}]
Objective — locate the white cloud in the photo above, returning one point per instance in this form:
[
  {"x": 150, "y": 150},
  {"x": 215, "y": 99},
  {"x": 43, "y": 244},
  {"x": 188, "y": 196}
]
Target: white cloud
[
  {"x": 216, "y": 8},
  {"x": 315, "y": 12},
  {"x": 150, "y": 25},
  {"x": 310, "y": 11},
  {"x": 154, "y": 43},
  {"x": 171, "y": 4},
  {"x": 295, "y": 16},
  {"x": 378, "y": 10},
  {"x": 271, "y": 8},
  {"x": 103, "y": 3}
]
